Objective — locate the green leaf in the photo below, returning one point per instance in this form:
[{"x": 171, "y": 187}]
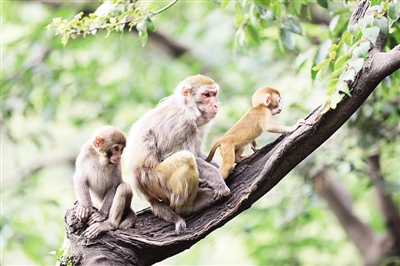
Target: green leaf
[
  {"x": 141, "y": 26},
  {"x": 331, "y": 85},
  {"x": 343, "y": 87},
  {"x": 349, "y": 74},
  {"x": 149, "y": 24},
  {"x": 393, "y": 11},
  {"x": 252, "y": 33},
  {"x": 362, "y": 50},
  {"x": 321, "y": 65},
  {"x": 347, "y": 38},
  {"x": 143, "y": 36},
  {"x": 142, "y": 29},
  {"x": 322, "y": 51},
  {"x": 224, "y": 4},
  {"x": 287, "y": 38},
  {"x": 335, "y": 99},
  {"x": 276, "y": 8},
  {"x": 263, "y": 3},
  {"x": 337, "y": 72},
  {"x": 297, "y": 5},
  {"x": 352, "y": 28},
  {"x": 356, "y": 63},
  {"x": 293, "y": 25},
  {"x": 333, "y": 23},
  {"x": 319, "y": 74},
  {"x": 332, "y": 56},
  {"x": 383, "y": 24},
  {"x": 239, "y": 18},
  {"x": 371, "y": 33},
  {"x": 323, "y": 3},
  {"x": 332, "y": 47},
  {"x": 302, "y": 58},
  {"x": 341, "y": 60},
  {"x": 366, "y": 21}
]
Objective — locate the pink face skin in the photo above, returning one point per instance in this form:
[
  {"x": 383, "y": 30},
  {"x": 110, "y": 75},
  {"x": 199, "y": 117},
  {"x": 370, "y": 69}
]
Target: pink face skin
[
  {"x": 116, "y": 152},
  {"x": 277, "y": 109},
  {"x": 274, "y": 104},
  {"x": 210, "y": 101}
]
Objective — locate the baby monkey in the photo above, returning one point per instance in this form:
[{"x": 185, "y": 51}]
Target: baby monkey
[
  {"x": 266, "y": 103},
  {"x": 98, "y": 183}
]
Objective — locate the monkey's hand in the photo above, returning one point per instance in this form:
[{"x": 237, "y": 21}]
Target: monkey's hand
[
  {"x": 97, "y": 216},
  {"x": 255, "y": 149},
  {"x": 301, "y": 122},
  {"x": 222, "y": 192},
  {"x": 83, "y": 213}
]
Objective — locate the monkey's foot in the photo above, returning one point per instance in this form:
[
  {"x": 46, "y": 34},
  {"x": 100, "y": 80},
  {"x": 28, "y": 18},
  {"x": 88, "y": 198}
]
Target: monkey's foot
[{"x": 180, "y": 225}]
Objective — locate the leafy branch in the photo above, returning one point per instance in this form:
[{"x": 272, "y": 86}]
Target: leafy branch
[
  {"x": 112, "y": 15},
  {"x": 358, "y": 37}
]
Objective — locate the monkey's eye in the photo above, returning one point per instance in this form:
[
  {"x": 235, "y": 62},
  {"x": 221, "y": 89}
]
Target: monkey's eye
[
  {"x": 116, "y": 148},
  {"x": 207, "y": 94}
]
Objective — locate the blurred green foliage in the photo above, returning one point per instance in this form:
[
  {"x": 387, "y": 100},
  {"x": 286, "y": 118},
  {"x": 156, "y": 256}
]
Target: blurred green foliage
[{"x": 53, "y": 97}]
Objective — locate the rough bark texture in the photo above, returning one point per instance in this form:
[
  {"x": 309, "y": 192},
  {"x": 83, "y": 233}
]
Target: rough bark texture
[{"x": 153, "y": 239}]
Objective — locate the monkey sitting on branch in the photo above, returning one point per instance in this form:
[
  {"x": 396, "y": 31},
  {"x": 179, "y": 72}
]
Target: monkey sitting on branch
[
  {"x": 266, "y": 103},
  {"x": 163, "y": 152},
  {"x": 98, "y": 183}
]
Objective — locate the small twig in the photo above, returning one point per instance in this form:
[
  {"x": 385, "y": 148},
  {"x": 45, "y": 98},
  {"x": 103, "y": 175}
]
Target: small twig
[{"x": 165, "y": 8}]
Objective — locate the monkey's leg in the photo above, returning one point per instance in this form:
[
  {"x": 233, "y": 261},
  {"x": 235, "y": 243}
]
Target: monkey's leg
[
  {"x": 238, "y": 155},
  {"x": 180, "y": 181},
  {"x": 210, "y": 174},
  {"x": 228, "y": 159},
  {"x": 122, "y": 199},
  {"x": 128, "y": 219},
  {"x": 163, "y": 211},
  {"x": 204, "y": 199},
  {"x": 180, "y": 178}
]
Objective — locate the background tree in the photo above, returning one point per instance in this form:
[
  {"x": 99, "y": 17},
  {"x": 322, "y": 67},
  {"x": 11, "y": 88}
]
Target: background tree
[{"x": 53, "y": 97}]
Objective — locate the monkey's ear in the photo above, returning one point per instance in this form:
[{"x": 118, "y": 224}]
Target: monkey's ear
[
  {"x": 97, "y": 141},
  {"x": 267, "y": 99},
  {"x": 186, "y": 90}
]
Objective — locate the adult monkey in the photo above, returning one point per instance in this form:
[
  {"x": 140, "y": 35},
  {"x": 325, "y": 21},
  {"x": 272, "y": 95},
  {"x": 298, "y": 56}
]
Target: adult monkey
[{"x": 163, "y": 152}]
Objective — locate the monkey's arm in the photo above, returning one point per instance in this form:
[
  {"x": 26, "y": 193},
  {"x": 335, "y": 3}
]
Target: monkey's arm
[
  {"x": 211, "y": 175},
  {"x": 85, "y": 206},
  {"x": 104, "y": 210},
  {"x": 203, "y": 156},
  {"x": 275, "y": 128}
]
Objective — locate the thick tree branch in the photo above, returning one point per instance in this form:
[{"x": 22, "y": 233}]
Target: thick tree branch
[
  {"x": 339, "y": 201},
  {"x": 389, "y": 210}
]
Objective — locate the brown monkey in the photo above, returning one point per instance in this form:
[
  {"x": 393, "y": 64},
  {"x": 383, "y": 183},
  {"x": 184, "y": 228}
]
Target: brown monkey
[
  {"x": 266, "y": 103},
  {"x": 164, "y": 156},
  {"x": 98, "y": 183}
]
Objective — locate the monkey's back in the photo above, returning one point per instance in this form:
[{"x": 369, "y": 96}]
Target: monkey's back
[{"x": 245, "y": 130}]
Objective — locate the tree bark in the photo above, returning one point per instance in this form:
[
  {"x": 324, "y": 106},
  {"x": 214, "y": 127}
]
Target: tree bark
[
  {"x": 153, "y": 240},
  {"x": 368, "y": 244}
]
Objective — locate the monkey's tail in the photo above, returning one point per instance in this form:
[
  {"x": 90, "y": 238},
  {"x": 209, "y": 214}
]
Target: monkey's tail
[{"x": 212, "y": 152}]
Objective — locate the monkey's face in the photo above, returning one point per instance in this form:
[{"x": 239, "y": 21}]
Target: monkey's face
[
  {"x": 116, "y": 153},
  {"x": 208, "y": 99},
  {"x": 276, "y": 107}
]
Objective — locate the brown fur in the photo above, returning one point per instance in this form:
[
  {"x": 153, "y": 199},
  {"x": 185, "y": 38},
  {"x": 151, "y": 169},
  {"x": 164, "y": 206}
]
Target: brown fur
[{"x": 266, "y": 103}]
